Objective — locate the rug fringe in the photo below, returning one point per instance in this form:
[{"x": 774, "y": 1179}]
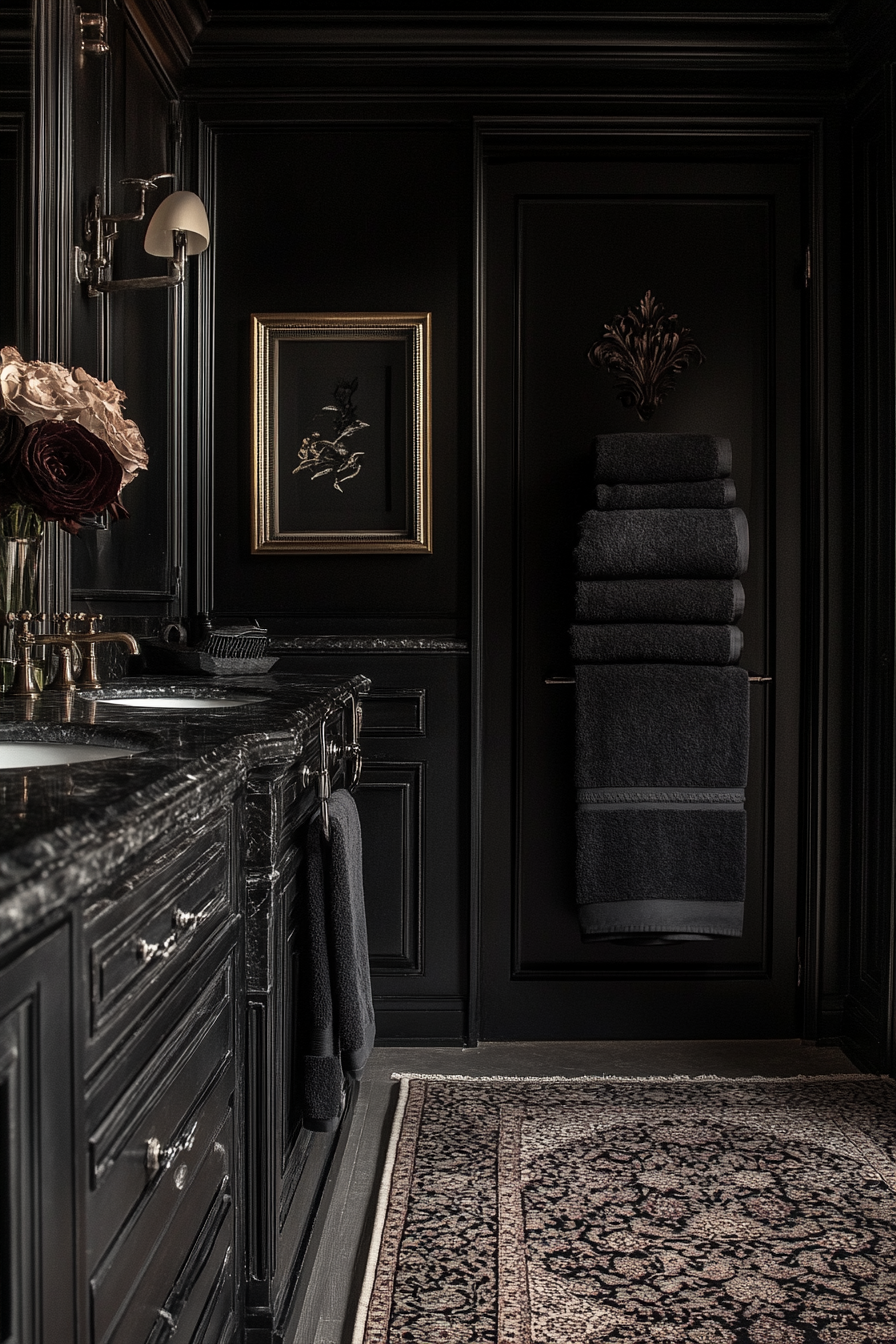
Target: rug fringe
[
  {"x": 379, "y": 1222},
  {"x": 645, "y": 1078}
]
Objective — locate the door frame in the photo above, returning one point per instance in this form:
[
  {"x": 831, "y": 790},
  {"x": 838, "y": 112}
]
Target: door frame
[{"x": 741, "y": 136}]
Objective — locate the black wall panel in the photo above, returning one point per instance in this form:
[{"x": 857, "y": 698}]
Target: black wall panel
[
  {"x": 130, "y": 565},
  {"x": 338, "y": 218},
  {"x": 869, "y": 1005},
  {"x": 412, "y": 801}
]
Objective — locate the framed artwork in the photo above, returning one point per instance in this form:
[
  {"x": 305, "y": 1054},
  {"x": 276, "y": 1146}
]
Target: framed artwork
[{"x": 341, "y": 433}]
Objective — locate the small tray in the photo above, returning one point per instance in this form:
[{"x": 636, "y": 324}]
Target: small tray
[{"x": 161, "y": 656}]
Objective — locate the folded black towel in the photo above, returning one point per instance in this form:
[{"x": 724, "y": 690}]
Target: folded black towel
[
  {"x": 661, "y": 725},
  {"x": 661, "y": 872},
  {"x": 660, "y": 457},
  {"x": 717, "y": 494},
  {"x": 663, "y": 543},
  {"x": 642, "y": 643},
  {"x": 339, "y": 1029},
  {"x": 697, "y": 601}
]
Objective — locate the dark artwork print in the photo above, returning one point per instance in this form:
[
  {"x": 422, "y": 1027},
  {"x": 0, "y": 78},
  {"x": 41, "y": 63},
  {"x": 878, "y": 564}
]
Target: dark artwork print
[
  {"x": 343, "y": 418},
  {"x": 572, "y": 1212},
  {"x": 335, "y": 457}
]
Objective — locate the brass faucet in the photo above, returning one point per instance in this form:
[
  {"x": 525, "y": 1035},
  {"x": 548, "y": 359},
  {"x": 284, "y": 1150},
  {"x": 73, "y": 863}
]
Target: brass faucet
[{"x": 25, "y": 681}]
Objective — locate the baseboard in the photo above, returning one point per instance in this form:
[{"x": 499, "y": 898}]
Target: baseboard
[{"x": 423, "y": 1020}]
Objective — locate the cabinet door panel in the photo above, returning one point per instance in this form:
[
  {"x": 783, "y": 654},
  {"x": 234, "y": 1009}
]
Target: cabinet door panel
[{"x": 37, "y": 1257}]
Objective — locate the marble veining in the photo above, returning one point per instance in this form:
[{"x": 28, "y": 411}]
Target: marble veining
[
  {"x": 367, "y": 644},
  {"x": 67, "y": 829}
]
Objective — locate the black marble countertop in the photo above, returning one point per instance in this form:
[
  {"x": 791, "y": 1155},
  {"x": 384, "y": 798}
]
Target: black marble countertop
[{"x": 65, "y": 829}]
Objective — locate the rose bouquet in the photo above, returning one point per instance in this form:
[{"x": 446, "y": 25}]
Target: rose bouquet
[{"x": 65, "y": 447}]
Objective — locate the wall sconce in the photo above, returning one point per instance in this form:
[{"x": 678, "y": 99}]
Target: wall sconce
[{"x": 178, "y": 229}]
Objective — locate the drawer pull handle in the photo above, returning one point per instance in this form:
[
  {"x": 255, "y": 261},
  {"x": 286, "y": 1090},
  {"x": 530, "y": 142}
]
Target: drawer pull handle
[
  {"x": 188, "y": 920},
  {"x": 158, "y": 1157},
  {"x": 148, "y": 952},
  {"x": 153, "y": 1159}
]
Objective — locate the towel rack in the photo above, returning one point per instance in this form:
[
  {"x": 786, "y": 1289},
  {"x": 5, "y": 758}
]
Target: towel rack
[
  {"x": 330, "y": 753},
  {"x": 571, "y": 681}
]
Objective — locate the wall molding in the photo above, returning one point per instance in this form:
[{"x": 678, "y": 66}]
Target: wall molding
[
  {"x": 166, "y": 31},
  {"x": 763, "y": 40},
  {"x": 406, "y": 781},
  {"x": 496, "y": 137},
  {"x": 870, "y": 1008},
  {"x": 53, "y": 211}
]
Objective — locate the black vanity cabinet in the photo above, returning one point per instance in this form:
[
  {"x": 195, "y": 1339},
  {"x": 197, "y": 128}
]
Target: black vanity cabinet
[
  {"x": 163, "y": 987},
  {"x": 286, "y": 1165},
  {"x": 38, "y": 1287},
  {"x": 156, "y": 1183}
]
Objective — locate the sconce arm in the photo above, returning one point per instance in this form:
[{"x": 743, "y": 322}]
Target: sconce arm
[{"x": 174, "y": 277}]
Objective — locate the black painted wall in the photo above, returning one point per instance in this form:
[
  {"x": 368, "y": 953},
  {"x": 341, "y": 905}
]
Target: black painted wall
[
  {"x": 339, "y": 217},
  {"x": 869, "y": 480},
  {"x": 121, "y": 129},
  {"x": 15, "y": 174},
  {"x": 337, "y": 159}
]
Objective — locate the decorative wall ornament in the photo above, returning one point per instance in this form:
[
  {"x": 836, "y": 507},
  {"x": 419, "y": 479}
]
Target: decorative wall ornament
[{"x": 646, "y": 350}]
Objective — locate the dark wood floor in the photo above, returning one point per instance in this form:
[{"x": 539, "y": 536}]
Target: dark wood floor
[{"x": 340, "y": 1251}]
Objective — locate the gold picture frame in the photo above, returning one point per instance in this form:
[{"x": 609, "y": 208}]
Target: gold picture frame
[{"x": 341, "y": 433}]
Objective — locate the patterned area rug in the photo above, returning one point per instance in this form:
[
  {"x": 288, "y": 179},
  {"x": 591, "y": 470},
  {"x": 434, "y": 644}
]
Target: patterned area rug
[{"x": 572, "y": 1211}]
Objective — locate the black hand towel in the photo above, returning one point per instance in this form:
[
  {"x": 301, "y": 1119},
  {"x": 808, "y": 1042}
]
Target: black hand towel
[
  {"x": 713, "y": 644},
  {"x": 697, "y": 601},
  {"x": 717, "y": 494},
  {"x": 661, "y": 873},
  {"x": 663, "y": 543},
  {"x": 340, "y": 1028},
  {"x": 660, "y": 457},
  {"x": 661, "y": 725}
]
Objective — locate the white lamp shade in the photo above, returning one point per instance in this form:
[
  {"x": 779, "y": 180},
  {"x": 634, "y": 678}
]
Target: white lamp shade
[{"x": 181, "y": 212}]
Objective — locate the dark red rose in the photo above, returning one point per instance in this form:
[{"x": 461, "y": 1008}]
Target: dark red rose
[{"x": 61, "y": 470}]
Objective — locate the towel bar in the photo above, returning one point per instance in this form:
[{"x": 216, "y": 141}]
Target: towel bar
[
  {"x": 329, "y": 752},
  {"x": 571, "y": 681}
]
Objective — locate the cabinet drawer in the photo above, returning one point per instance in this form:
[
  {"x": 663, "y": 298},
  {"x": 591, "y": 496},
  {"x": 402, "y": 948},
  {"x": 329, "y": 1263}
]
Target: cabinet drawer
[
  {"x": 139, "y": 940},
  {"x": 171, "y": 1108},
  {"x": 157, "y": 1279}
]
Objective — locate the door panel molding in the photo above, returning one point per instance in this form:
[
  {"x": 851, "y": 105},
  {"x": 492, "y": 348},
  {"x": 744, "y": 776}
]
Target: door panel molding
[
  {"x": 724, "y": 139},
  {"x": 396, "y": 903}
]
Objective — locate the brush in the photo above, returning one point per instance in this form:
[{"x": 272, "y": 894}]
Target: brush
[{"x": 235, "y": 641}]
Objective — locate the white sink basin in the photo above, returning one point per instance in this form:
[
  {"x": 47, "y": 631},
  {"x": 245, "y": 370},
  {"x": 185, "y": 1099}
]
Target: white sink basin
[
  {"x": 33, "y": 755},
  {"x": 182, "y": 701}
]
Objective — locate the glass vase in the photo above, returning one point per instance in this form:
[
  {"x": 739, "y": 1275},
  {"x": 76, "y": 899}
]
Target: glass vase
[{"x": 19, "y": 578}]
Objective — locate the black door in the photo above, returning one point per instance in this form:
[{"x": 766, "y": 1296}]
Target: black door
[{"x": 571, "y": 241}]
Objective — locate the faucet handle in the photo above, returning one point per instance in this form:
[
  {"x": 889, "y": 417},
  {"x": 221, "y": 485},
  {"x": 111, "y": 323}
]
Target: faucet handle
[
  {"x": 91, "y": 619},
  {"x": 24, "y": 619}
]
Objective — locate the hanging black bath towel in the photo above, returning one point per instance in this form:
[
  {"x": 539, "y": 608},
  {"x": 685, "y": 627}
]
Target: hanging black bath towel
[
  {"x": 656, "y": 643},
  {"x": 661, "y": 767},
  {"x": 339, "y": 1027}
]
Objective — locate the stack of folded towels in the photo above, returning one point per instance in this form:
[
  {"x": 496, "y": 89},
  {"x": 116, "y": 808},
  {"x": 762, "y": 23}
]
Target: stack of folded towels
[{"x": 662, "y": 712}]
